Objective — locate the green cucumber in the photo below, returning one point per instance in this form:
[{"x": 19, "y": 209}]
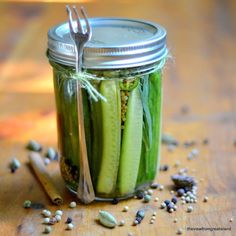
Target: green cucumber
[
  {"x": 150, "y": 155},
  {"x": 96, "y": 118},
  {"x": 111, "y": 135},
  {"x": 131, "y": 144}
]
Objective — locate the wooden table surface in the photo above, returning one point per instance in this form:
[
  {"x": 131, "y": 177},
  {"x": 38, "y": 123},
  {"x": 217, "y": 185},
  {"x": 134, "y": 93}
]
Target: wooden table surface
[{"x": 199, "y": 103}]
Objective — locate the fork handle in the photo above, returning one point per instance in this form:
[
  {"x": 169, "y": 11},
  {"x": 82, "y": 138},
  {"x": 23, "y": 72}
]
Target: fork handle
[{"x": 85, "y": 191}]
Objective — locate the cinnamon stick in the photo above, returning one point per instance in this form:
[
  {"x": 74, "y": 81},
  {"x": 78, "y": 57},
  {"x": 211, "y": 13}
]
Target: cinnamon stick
[{"x": 45, "y": 179}]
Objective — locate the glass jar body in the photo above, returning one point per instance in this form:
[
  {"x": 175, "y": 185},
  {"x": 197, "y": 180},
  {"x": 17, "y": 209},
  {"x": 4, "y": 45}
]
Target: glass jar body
[{"x": 122, "y": 134}]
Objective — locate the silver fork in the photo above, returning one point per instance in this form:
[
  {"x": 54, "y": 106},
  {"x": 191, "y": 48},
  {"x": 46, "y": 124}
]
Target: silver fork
[{"x": 85, "y": 191}]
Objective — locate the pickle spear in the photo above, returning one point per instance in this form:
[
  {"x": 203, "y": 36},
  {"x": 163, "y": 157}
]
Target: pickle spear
[
  {"x": 131, "y": 144},
  {"x": 111, "y": 135},
  {"x": 150, "y": 156}
]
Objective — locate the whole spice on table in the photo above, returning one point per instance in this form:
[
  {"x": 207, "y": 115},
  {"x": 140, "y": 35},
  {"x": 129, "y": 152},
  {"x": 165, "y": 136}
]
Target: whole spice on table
[
  {"x": 107, "y": 219},
  {"x": 27, "y": 204},
  {"x": 47, "y": 230},
  {"x": 69, "y": 220},
  {"x": 34, "y": 146},
  {"x": 70, "y": 226},
  {"x": 14, "y": 165}
]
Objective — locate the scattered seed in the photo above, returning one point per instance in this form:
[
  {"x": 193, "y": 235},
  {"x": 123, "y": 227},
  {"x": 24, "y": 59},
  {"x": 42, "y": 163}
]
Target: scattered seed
[
  {"x": 161, "y": 187},
  {"x": 52, "y": 221},
  {"x": 27, "y": 204},
  {"x": 172, "y": 192},
  {"x": 58, "y": 218},
  {"x": 59, "y": 212},
  {"x": 136, "y": 222},
  {"x": 179, "y": 231},
  {"x": 69, "y": 220},
  {"x": 195, "y": 152},
  {"x": 46, "y": 213},
  {"x": 180, "y": 192},
  {"x": 73, "y": 205},
  {"x": 52, "y": 154},
  {"x": 168, "y": 139},
  {"x": 154, "y": 213},
  {"x": 167, "y": 202},
  {"x": 147, "y": 198},
  {"x": 140, "y": 213},
  {"x": 177, "y": 164},
  {"x": 140, "y": 194},
  {"x": 46, "y": 220},
  {"x": 183, "y": 202},
  {"x": 205, "y": 199},
  {"x": 175, "y": 207},
  {"x": 189, "y": 143},
  {"x": 47, "y": 229},
  {"x": 152, "y": 221},
  {"x": 231, "y": 219},
  {"x": 46, "y": 161},
  {"x": 70, "y": 226},
  {"x": 174, "y": 200},
  {"x": 154, "y": 185},
  {"x": 163, "y": 205},
  {"x": 175, "y": 220},
  {"x": 107, "y": 219},
  {"x": 122, "y": 223},
  {"x": 190, "y": 209},
  {"x": 150, "y": 192},
  {"x": 130, "y": 234},
  {"x": 156, "y": 199},
  {"x": 164, "y": 168},
  {"x": 153, "y": 217},
  {"x": 34, "y": 146},
  {"x": 14, "y": 165},
  {"x": 170, "y": 210},
  {"x": 126, "y": 209}
]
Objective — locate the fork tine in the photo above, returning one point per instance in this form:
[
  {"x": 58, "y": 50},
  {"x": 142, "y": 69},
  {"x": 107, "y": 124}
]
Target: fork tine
[
  {"x": 80, "y": 28},
  {"x": 70, "y": 19},
  {"x": 86, "y": 21}
]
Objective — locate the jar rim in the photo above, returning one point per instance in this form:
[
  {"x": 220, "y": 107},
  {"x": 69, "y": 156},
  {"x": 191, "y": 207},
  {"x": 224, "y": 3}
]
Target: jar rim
[{"x": 116, "y": 43}]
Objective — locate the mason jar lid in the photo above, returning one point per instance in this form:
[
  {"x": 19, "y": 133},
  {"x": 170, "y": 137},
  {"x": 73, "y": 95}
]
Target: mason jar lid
[{"x": 115, "y": 43}]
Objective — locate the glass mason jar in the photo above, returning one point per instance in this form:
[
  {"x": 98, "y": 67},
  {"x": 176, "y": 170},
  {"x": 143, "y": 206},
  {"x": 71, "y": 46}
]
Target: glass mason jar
[{"x": 123, "y": 62}]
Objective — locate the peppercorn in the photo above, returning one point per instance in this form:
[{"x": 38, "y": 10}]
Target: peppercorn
[
  {"x": 164, "y": 167},
  {"x": 180, "y": 192},
  {"x": 140, "y": 213},
  {"x": 140, "y": 194},
  {"x": 174, "y": 200},
  {"x": 170, "y": 206},
  {"x": 154, "y": 185},
  {"x": 167, "y": 202},
  {"x": 69, "y": 220}
]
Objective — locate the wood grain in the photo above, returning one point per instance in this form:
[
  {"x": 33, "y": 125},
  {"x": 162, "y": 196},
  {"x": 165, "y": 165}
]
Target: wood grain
[{"x": 200, "y": 76}]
